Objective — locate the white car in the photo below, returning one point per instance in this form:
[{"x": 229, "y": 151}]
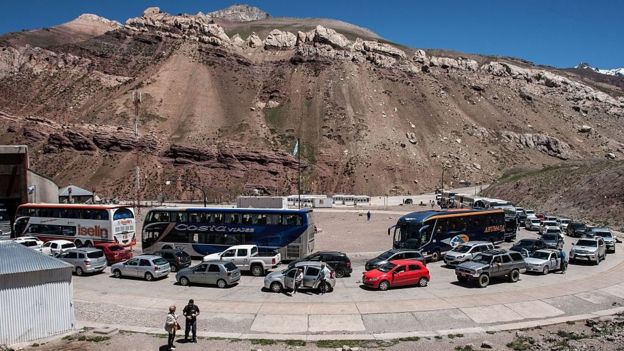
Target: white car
[
  {"x": 532, "y": 223},
  {"x": 529, "y": 213},
  {"x": 548, "y": 224},
  {"x": 563, "y": 223},
  {"x": 30, "y": 241},
  {"x": 57, "y": 247}
]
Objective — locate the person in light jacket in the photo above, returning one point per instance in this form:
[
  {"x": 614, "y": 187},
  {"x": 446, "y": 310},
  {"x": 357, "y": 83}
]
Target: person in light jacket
[
  {"x": 171, "y": 326},
  {"x": 298, "y": 280}
]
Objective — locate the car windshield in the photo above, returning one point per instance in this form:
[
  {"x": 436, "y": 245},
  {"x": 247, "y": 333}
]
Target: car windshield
[
  {"x": 485, "y": 259},
  {"x": 550, "y": 237},
  {"x": 593, "y": 243},
  {"x": 160, "y": 261},
  {"x": 564, "y": 221},
  {"x": 386, "y": 255},
  {"x": 603, "y": 234},
  {"x": 387, "y": 267},
  {"x": 95, "y": 254},
  {"x": 525, "y": 243},
  {"x": 67, "y": 246},
  {"x": 230, "y": 266},
  {"x": 541, "y": 255},
  {"x": 29, "y": 243},
  {"x": 462, "y": 249}
]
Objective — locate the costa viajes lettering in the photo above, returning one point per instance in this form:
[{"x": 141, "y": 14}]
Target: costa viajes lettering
[
  {"x": 96, "y": 231},
  {"x": 212, "y": 228}
]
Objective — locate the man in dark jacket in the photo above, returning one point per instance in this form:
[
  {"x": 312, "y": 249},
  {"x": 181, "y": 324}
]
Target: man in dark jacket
[{"x": 191, "y": 311}]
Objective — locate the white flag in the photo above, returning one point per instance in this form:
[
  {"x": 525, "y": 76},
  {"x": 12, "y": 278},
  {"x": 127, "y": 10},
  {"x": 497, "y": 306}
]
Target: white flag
[{"x": 296, "y": 149}]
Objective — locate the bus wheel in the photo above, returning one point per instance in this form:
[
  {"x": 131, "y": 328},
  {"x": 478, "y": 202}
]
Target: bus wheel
[
  {"x": 483, "y": 281},
  {"x": 257, "y": 270},
  {"x": 276, "y": 287},
  {"x": 78, "y": 243},
  {"x": 435, "y": 256}
]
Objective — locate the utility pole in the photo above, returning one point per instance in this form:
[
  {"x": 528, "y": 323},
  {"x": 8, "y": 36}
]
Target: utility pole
[
  {"x": 136, "y": 99},
  {"x": 299, "y": 169}
]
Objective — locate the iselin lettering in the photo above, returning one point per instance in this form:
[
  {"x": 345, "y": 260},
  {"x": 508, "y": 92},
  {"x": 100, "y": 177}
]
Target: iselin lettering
[{"x": 96, "y": 231}]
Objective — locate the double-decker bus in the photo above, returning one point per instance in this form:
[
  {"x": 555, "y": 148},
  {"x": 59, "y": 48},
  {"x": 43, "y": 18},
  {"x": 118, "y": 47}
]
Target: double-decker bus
[
  {"x": 85, "y": 225},
  {"x": 435, "y": 232},
  {"x": 202, "y": 231}
]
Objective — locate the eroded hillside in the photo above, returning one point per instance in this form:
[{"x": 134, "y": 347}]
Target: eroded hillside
[{"x": 221, "y": 106}]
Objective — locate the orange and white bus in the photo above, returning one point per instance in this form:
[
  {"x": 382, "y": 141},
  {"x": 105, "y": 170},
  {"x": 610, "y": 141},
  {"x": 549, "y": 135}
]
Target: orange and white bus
[{"x": 85, "y": 225}]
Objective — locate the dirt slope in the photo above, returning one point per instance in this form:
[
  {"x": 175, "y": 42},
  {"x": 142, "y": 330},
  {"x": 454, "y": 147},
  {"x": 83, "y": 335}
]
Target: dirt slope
[
  {"x": 591, "y": 190},
  {"x": 224, "y": 112}
]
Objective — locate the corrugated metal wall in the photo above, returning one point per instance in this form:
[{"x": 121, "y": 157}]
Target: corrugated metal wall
[{"x": 35, "y": 305}]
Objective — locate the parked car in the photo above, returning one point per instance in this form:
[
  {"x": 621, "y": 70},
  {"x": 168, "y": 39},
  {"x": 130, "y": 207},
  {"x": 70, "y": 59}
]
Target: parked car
[
  {"x": 339, "y": 261},
  {"x": 526, "y": 247},
  {"x": 397, "y": 273},
  {"x": 563, "y": 223},
  {"x": 529, "y": 212},
  {"x": 85, "y": 260},
  {"x": 147, "y": 267},
  {"x": 550, "y": 218},
  {"x": 576, "y": 229},
  {"x": 548, "y": 224},
  {"x": 57, "y": 247},
  {"x": 521, "y": 215},
  {"x": 247, "y": 258},
  {"x": 540, "y": 216},
  {"x": 30, "y": 241},
  {"x": 589, "y": 249},
  {"x": 114, "y": 252},
  {"x": 532, "y": 223},
  {"x": 465, "y": 252},
  {"x": 177, "y": 258},
  {"x": 219, "y": 273},
  {"x": 544, "y": 261},
  {"x": 491, "y": 264},
  {"x": 606, "y": 235},
  {"x": 552, "y": 240},
  {"x": 285, "y": 279},
  {"x": 394, "y": 254}
]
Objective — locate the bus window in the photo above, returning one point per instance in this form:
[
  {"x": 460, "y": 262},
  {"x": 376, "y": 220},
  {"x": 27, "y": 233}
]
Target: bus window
[
  {"x": 101, "y": 215},
  {"x": 262, "y": 219},
  {"x": 274, "y": 219},
  {"x": 292, "y": 219},
  {"x": 179, "y": 217},
  {"x": 68, "y": 230},
  {"x": 122, "y": 213},
  {"x": 247, "y": 219},
  {"x": 194, "y": 217},
  {"x": 232, "y": 218}
]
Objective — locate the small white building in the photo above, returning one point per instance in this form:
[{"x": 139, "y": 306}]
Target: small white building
[
  {"x": 261, "y": 202},
  {"x": 36, "y": 295},
  {"x": 308, "y": 200},
  {"x": 351, "y": 200}
]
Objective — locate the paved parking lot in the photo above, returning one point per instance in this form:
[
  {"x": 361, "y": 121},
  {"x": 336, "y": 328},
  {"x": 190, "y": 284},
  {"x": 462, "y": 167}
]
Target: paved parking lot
[{"x": 245, "y": 310}]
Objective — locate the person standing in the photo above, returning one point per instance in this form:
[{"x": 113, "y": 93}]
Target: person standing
[
  {"x": 323, "y": 277},
  {"x": 171, "y": 326},
  {"x": 191, "y": 311},
  {"x": 298, "y": 280},
  {"x": 564, "y": 261},
  {"x": 368, "y": 216}
]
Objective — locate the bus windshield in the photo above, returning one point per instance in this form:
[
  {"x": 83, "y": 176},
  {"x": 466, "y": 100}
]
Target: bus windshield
[{"x": 412, "y": 235}]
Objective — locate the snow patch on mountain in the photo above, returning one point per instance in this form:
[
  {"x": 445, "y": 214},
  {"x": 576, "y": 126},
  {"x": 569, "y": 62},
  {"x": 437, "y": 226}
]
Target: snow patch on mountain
[{"x": 618, "y": 72}]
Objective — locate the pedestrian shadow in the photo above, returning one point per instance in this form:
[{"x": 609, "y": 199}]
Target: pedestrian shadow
[{"x": 164, "y": 348}]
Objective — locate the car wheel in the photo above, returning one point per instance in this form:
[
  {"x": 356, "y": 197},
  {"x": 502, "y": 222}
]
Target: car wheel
[
  {"x": 117, "y": 273},
  {"x": 149, "y": 277},
  {"x": 483, "y": 281},
  {"x": 173, "y": 268},
  {"x": 514, "y": 276},
  {"x": 324, "y": 287},
  {"x": 340, "y": 272},
  {"x": 276, "y": 287},
  {"x": 257, "y": 270},
  {"x": 184, "y": 281},
  {"x": 383, "y": 286},
  {"x": 545, "y": 271},
  {"x": 423, "y": 282},
  {"x": 78, "y": 243},
  {"x": 221, "y": 284},
  {"x": 79, "y": 271}
]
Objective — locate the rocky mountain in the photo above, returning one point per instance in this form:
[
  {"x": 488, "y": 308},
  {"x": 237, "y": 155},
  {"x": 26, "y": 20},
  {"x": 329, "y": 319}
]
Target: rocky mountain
[
  {"x": 618, "y": 72},
  {"x": 221, "y": 99},
  {"x": 239, "y": 13}
]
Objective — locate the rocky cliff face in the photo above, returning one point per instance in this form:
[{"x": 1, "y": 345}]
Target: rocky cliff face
[{"x": 223, "y": 109}]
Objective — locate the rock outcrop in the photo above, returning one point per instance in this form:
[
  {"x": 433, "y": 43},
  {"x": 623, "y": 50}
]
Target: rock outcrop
[
  {"x": 278, "y": 40},
  {"x": 238, "y": 13},
  {"x": 541, "y": 142}
]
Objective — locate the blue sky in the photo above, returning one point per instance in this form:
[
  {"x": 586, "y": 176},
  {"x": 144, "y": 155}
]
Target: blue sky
[{"x": 550, "y": 32}]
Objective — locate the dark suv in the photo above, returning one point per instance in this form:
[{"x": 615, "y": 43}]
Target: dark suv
[
  {"x": 528, "y": 246},
  {"x": 338, "y": 261},
  {"x": 576, "y": 229},
  {"x": 177, "y": 259},
  {"x": 394, "y": 254},
  {"x": 491, "y": 264}
]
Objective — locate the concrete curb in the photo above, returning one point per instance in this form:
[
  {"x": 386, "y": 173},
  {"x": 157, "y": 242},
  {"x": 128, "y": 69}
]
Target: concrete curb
[{"x": 372, "y": 336}]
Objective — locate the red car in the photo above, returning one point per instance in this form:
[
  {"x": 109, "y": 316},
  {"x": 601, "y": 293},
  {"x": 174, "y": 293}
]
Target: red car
[
  {"x": 540, "y": 216},
  {"x": 114, "y": 253},
  {"x": 397, "y": 273}
]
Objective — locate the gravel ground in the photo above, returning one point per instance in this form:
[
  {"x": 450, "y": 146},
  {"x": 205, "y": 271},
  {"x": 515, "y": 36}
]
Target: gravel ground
[{"x": 606, "y": 334}]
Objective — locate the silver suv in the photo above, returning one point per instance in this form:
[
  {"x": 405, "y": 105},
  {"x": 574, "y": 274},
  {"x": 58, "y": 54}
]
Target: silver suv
[
  {"x": 278, "y": 281},
  {"x": 216, "y": 272},
  {"x": 465, "y": 252},
  {"x": 589, "y": 249},
  {"x": 143, "y": 266},
  {"x": 606, "y": 235},
  {"x": 85, "y": 260}
]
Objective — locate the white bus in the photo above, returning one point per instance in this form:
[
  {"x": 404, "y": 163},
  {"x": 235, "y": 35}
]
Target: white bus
[{"x": 85, "y": 225}]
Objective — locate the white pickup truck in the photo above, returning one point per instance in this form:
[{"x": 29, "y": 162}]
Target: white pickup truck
[{"x": 247, "y": 258}]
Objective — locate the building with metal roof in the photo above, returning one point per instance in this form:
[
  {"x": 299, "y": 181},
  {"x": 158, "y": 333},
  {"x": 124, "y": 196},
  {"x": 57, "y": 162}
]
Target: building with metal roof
[
  {"x": 35, "y": 295},
  {"x": 74, "y": 194}
]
